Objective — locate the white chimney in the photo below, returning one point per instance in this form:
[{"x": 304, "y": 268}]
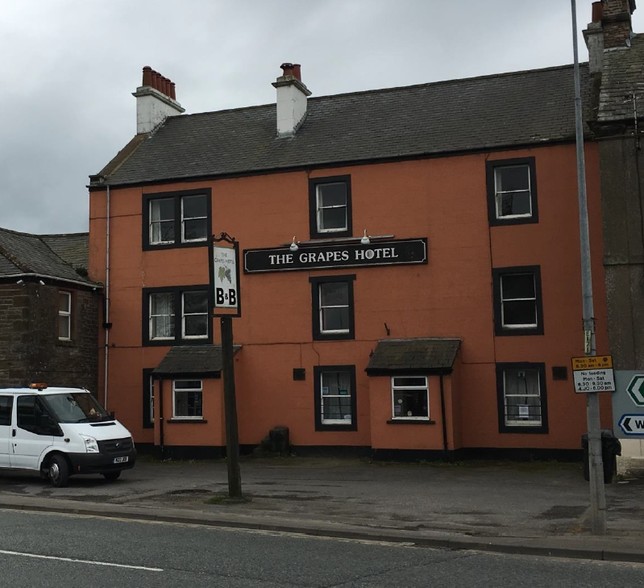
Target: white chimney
[
  {"x": 291, "y": 100},
  {"x": 155, "y": 100}
]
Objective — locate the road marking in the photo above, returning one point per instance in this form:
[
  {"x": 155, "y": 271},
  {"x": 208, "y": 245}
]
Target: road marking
[{"x": 82, "y": 561}]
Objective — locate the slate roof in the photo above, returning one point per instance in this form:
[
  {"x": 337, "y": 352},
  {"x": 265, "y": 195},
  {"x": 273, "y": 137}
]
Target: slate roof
[
  {"x": 45, "y": 256},
  {"x": 622, "y": 74},
  {"x": 488, "y": 112},
  {"x": 191, "y": 360},
  {"x": 407, "y": 356}
]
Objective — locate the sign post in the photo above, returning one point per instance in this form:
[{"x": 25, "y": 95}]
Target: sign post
[
  {"x": 595, "y": 463},
  {"x": 225, "y": 280}
]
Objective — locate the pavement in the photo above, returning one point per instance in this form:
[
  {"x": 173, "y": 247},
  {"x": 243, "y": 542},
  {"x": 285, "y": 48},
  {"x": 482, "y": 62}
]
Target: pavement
[{"x": 540, "y": 508}]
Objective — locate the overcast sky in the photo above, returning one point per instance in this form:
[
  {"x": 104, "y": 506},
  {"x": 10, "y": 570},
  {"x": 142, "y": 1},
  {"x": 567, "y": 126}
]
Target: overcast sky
[{"x": 69, "y": 67}]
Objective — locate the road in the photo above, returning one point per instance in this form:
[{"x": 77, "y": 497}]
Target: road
[{"x": 42, "y": 549}]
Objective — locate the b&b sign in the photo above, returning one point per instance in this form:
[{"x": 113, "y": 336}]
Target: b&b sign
[{"x": 225, "y": 279}]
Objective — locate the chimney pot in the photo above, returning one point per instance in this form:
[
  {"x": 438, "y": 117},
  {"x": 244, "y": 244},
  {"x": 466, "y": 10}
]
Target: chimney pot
[
  {"x": 173, "y": 93},
  {"x": 598, "y": 9},
  {"x": 147, "y": 76}
]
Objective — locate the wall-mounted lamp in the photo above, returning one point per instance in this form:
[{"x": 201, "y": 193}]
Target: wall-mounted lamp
[
  {"x": 293, "y": 246},
  {"x": 41, "y": 282},
  {"x": 20, "y": 282},
  {"x": 365, "y": 238}
]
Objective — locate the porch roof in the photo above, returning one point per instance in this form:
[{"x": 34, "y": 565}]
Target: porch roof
[
  {"x": 192, "y": 361},
  {"x": 434, "y": 355}
]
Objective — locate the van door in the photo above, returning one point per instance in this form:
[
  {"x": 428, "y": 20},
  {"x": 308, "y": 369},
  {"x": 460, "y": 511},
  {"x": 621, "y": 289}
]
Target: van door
[
  {"x": 33, "y": 433},
  {"x": 6, "y": 408}
]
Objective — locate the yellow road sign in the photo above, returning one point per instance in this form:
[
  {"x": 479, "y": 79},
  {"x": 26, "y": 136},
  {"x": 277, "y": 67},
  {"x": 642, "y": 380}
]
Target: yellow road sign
[{"x": 596, "y": 362}]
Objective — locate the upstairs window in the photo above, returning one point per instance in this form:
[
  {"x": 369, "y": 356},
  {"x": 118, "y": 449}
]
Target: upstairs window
[
  {"x": 64, "y": 316},
  {"x": 176, "y": 315},
  {"x": 176, "y": 219},
  {"x": 517, "y": 301},
  {"x": 512, "y": 191},
  {"x": 330, "y": 207},
  {"x": 333, "y": 307}
]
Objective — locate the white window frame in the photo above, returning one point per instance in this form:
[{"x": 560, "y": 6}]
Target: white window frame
[
  {"x": 185, "y": 218},
  {"x": 188, "y": 389},
  {"x": 185, "y": 315},
  {"x": 533, "y": 299},
  {"x": 398, "y": 385},
  {"x": 321, "y": 208},
  {"x": 65, "y": 315},
  {"x": 499, "y": 193},
  {"x": 325, "y": 393},
  {"x": 535, "y": 392},
  {"x": 151, "y": 397},
  {"x": 158, "y": 223},
  {"x": 322, "y": 308},
  {"x": 170, "y": 315}
]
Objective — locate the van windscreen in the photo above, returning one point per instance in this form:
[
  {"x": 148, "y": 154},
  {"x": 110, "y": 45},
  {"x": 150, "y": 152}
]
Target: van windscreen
[{"x": 75, "y": 407}]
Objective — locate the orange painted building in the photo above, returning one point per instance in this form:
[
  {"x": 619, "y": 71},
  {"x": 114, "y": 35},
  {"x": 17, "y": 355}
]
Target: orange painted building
[{"x": 409, "y": 268}]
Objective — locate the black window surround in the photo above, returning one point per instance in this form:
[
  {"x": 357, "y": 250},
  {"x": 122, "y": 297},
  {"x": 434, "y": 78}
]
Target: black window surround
[
  {"x": 516, "y": 203},
  {"x": 513, "y": 410},
  {"x": 148, "y": 399},
  {"x": 518, "y": 308},
  {"x": 338, "y": 307},
  {"x": 333, "y": 399},
  {"x": 177, "y": 319},
  {"x": 330, "y": 205},
  {"x": 176, "y": 219}
]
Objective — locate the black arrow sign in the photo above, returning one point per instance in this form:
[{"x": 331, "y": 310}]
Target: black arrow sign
[{"x": 626, "y": 424}]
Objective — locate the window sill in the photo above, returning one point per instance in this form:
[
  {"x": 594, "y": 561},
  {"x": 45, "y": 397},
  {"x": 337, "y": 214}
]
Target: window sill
[
  {"x": 188, "y": 421},
  {"x": 411, "y": 422}
]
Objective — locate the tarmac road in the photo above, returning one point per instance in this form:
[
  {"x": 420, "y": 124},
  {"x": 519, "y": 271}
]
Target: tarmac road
[{"x": 533, "y": 507}]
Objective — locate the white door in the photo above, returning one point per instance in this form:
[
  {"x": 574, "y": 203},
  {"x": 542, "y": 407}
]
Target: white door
[
  {"x": 6, "y": 408},
  {"x": 31, "y": 435}
]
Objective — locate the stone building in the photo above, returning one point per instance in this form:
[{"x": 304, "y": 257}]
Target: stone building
[{"x": 49, "y": 311}]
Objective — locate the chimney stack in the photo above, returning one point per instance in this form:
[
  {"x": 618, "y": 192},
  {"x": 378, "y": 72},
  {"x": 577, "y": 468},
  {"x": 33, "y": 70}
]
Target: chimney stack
[
  {"x": 291, "y": 99},
  {"x": 616, "y": 23},
  {"x": 611, "y": 28},
  {"x": 155, "y": 100}
]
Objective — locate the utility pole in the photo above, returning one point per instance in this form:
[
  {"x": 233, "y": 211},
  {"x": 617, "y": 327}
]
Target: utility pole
[{"x": 595, "y": 462}]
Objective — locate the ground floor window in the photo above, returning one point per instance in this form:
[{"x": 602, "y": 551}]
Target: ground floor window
[
  {"x": 410, "y": 398},
  {"x": 335, "y": 399},
  {"x": 522, "y": 397},
  {"x": 187, "y": 399}
]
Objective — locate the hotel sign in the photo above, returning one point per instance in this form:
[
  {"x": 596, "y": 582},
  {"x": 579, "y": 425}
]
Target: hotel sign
[{"x": 394, "y": 252}]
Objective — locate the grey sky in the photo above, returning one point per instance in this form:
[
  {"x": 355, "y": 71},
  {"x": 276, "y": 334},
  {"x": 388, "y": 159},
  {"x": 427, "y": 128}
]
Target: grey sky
[{"x": 69, "y": 68}]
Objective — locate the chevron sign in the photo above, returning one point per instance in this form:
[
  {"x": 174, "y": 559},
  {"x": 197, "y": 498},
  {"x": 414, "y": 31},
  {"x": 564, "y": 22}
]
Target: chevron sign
[
  {"x": 636, "y": 389},
  {"x": 632, "y": 424}
]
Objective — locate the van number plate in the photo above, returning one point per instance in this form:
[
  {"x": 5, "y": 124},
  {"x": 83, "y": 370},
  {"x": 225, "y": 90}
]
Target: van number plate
[{"x": 122, "y": 459}]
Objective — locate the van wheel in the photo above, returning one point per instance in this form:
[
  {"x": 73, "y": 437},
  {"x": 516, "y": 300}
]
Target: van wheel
[
  {"x": 58, "y": 471},
  {"x": 111, "y": 476}
]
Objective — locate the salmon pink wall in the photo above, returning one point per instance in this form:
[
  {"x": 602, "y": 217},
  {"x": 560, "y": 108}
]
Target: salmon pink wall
[{"x": 443, "y": 200}]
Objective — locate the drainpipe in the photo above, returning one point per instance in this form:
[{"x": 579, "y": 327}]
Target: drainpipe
[{"x": 106, "y": 317}]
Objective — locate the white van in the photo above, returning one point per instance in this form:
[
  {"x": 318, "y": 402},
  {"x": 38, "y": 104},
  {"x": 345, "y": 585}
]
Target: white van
[{"x": 60, "y": 432}]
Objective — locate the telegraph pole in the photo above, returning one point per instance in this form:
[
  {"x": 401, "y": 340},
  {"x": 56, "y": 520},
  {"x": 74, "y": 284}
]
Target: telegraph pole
[{"x": 595, "y": 462}]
